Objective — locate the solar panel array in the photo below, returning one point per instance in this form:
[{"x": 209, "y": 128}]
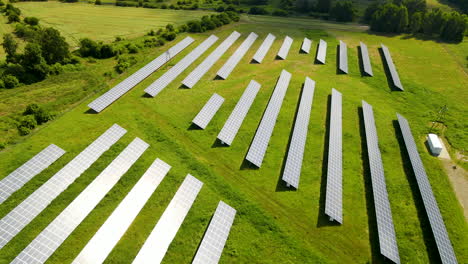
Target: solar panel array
[
  {"x": 334, "y": 190},
  {"x": 24, "y": 213},
  {"x": 306, "y": 44},
  {"x": 234, "y": 122},
  {"x": 15, "y": 180},
  {"x": 365, "y": 59},
  {"x": 292, "y": 169},
  {"x": 263, "y": 50},
  {"x": 343, "y": 66},
  {"x": 386, "y": 230},
  {"x": 284, "y": 50},
  {"x": 102, "y": 243},
  {"x": 203, "y": 68},
  {"x": 126, "y": 85},
  {"x": 391, "y": 67},
  {"x": 157, "y": 86},
  {"x": 265, "y": 129},
  {"x": 158, "y": 242},
  {"x": 446, "y": 252},
  {"x": 215, "y": 237},
  {"x": 44, "y": 245},
  {"x": 232, "y": 62},
  {"x": 322, "y": 52},
  {"x": 205, "y": 115}
]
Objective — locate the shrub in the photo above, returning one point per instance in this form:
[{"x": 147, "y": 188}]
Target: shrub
[
  {"x": 33, "y": 21},
  {"x": 2, "y": 84},
  {"x": 40, "y": 115},
  {"x": 132, "y": 48},
  {"x": 219, "y": 8},
  {"x": 280, "y": 13},
  {"x": 26, "y": 124},
  {"x": 233, "y": 16},
  {"x": 107, "y": 51},
  {"x": 256, "y": 10},
  {"x": 194, "y": 26},
  {"x": 10, "y": 81},
  {"x": 124, "y": 63},
  {"x": 98, "y": 2},
  {"x": 170, "y": 28},
  {"x": 13, "y": 18},
  {"x": 153, "y": 42},
  {"x": 224, "y": 18},
  {"x": 182, "y": 28}
]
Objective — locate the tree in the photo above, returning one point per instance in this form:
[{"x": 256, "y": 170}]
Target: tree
[
  {"x": 10, "y": 46},
  {"x": 13, "y": 17},
  {"x": 403, "y": 19},
  {"x": 416, "y": 22},
  {"x": 207, "y": 24},
  {"x": 324, "y": 6},
  {"x": 33, "y": 62},
  {"x": 433, "y": 22},
  {"x": 89, "y": 48},
  {"x": 194, "y": 26},
  {"x": 343, "y": 11},
  {"x": 414, "y": 6},
  {"x": 302, "y": 6},
  {"x": 370, "y": 10},
  {"x": 54, "y": 47},
  {"x": 390, "y": 18},
  {"x": 256, "y": 10},
  {"x": 454, "y": 28},
  {"x": 33, "y": 21}
]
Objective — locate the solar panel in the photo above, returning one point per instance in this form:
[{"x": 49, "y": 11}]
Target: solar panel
[
  {"x": 446, "y": 252},
  {"x": 343, "y": 57},
  {"x": 158, "y": 242},
  {"x": 232, "y": 62},
  {"x": 203, "y": 68},
  {"x": 215, "y": 237},
  {"x": 102, "y": 243},
  {"x": 306, "y": 44},
  {"x": 386, "y": 230},
  {"x": 365, "y": 59},
  {"x": 234, "y": 122},
  {"x": 126, "y": 85},
  {"x": 263, "y": 50},
  {"x": 334, "y": 191},
  {"x": 292, "y": 169},
  {"x": 44, "y": 245},
  {"x": 265, "y": 129},
  {"x": 284, "y": 50},
  {"x": 15, "y": 180},
  {"x": 24, "y": 213},
  {"x": 392, "y": 69},
  {"x": 208, "y": 111},
  {"x": 157, "y": 86},
  {"x": 322, "y": 52}
]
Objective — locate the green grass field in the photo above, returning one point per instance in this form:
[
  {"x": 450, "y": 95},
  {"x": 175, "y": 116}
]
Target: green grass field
[{"x": 273, "y": 225}]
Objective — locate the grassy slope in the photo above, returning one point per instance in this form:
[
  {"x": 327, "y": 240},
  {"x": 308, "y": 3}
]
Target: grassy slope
[{"x": 272, "y": 224}]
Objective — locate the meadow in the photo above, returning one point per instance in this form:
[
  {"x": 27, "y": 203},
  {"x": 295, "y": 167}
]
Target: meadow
[{"x": 273, "y": 224}]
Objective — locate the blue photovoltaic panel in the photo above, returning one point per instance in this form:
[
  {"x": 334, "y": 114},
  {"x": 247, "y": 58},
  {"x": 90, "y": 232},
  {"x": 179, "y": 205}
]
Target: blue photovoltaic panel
[
  {"x": 120, "y": 89},
  {"x": 365, "y": 59},
  {"x": 391, "y": 68},
  {"x": 306, "y": 44},
  {"x": 292, "y": 170},
  {"x": 446, "y": 252},
  {"x": 157, "y": 86},
  {"x": 232, "y": 62},
  {"x": 343, "y": 57},
  {"x": 386, "y": 230},
  {"x": 205, "y": 115},
  {"x": 265, "y": 129},
  {"x": 284, "y": 50},
  {"x": 263, "y": 50},
  {"x": 322, "y": 52}
]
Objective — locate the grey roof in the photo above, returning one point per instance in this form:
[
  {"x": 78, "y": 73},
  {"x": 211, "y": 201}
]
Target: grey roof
[
  {"x": 159, "y": 240},
  {"x": 322, "y": 52},
  {"x": 15, "y": 180},
  {"x": 215, "y": 237},
  {"x": 267, "y": 124},
  {"x": 263, "y": 50},
  {"x": 334, "y": 191},
  {"x": 292, "y": 170},
  {"x": 386, "y": 230},
  {"x": 25, "y": 212},
  {"x": 206, "y": 65},
  {"x": 284, "y": 50},
  {"x": 365, "y": 59},
  {"x": 232, "y": 62},
  {"x": 306, "y": 44},
  {"x": 391, "y": 67},
  {"x": 157, "y": 86},
  {"x": 446, "y": 252},
  {"x": 205, "y": 115},
  {"x": 234, "y": 122},
  {"x": 343, "y": 66},
  {"x": 126, "y": 85},
  {"x": 102, "y": 243}
]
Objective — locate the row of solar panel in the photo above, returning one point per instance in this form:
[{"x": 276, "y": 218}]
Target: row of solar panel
[{"x": 102, "y": 243}]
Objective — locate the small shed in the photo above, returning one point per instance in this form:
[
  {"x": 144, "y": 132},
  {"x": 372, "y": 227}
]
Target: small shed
[{"x": 434, "y": 144}]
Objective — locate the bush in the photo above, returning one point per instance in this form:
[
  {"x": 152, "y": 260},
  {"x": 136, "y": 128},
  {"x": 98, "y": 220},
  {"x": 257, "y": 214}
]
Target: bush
[
  {"x": 2, "y": 84},
  {"x": 280, "y": 13},
  {"x": 233, "y": 16},
  {"x": 194, "y": 26},
  {"x": 153, "y": 42},
  {"x": 224, "y": 18},
  {"x": 107, "y": 51},
  {"x": 169, "y": 36},
  {"x": 98, "y": 2},
  {"x": 132, "y": 48},
  {"x": 256, "y": 10},
  {"x": 40, "y": 115},
  {"x": 219, "y": 8},
  {"x": 13, "y": 18},
  {"x": 10, "y": 81},
  {"x": 124, "y": 63},
  {"x": 26, "y": 124},
  {"x": 33, "y": 21}
]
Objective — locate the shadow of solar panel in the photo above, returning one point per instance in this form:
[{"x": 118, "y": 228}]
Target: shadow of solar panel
[
  {"x": 215, "y": 237},
  {"x": 284, "y": 50},
  {"x": 232, "y": 62},
  {"x": 203, "y": 68},
  {"x": 126, "y": 85},
  {"x": 158, "y": 242},
  {"x": 234, "y": 122},
  {"x": 102, "y": 243},
  {"x": 205, "y": 115},
  {"x": 391, "y": 68},
  {"x": 45, "y": 244},
  {"x": 292, "y": 170},
  {"x": 343, "y": 57},
  {"x": 334, "y": 191},
  {"x": 365, "y": 59},
  {"x": 157, "y": 86},
  {"x": 322, "y": 52},
  {"x": 444, "y": 246},
  {"x": 386, "y": 230},
  {"x": 24, "y": 213},
  {"x": 306, "y": 44},
  {"x": 18, "y": 178},
  {"x": 263, "y": 50},
  {"x": 265, "y": 129}
]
